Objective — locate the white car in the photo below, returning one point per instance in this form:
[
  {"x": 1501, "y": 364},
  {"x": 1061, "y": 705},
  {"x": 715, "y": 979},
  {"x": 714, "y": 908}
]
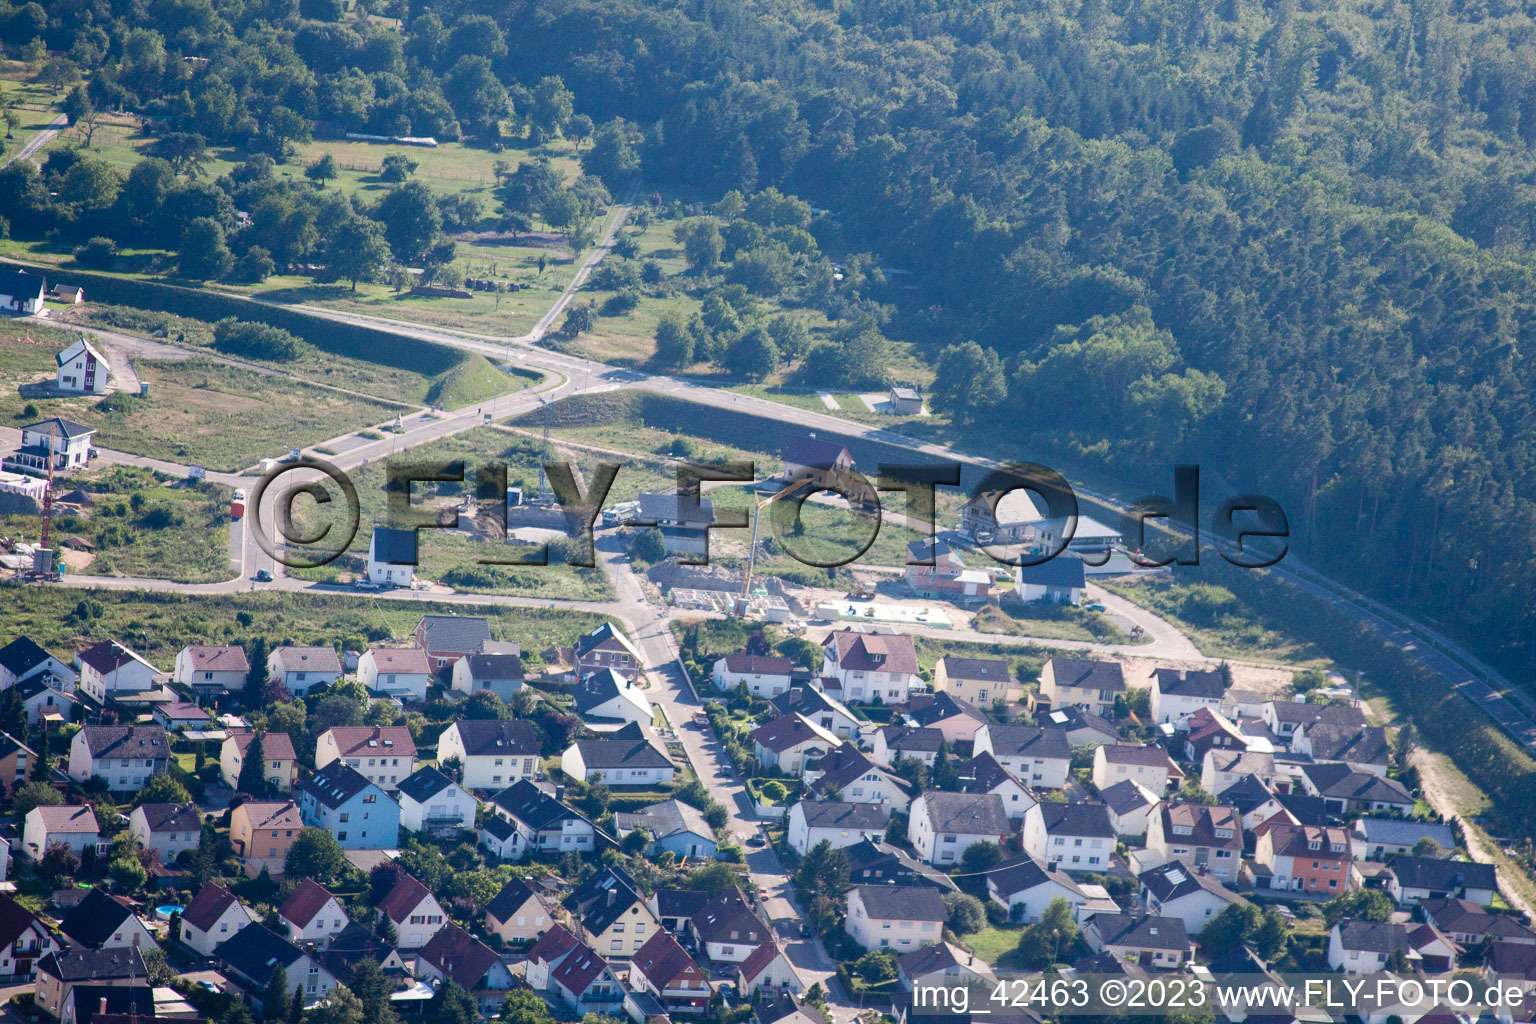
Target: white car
[{"x": 363, "y": 583}]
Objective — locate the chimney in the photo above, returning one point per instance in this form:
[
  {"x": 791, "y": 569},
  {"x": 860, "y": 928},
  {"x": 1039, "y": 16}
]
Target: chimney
[{"x": 103, "y": 1009}]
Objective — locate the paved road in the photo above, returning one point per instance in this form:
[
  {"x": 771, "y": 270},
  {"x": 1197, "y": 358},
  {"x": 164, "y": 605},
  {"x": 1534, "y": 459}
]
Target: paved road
[{"x": 38, "y": 141}]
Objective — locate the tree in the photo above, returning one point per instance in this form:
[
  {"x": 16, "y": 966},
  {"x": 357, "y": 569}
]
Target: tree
[
  {"x": 647, "y": 546},
  {"x": 253, "y": 776},
  {"x": 791, "y": 335},
  {"x": 964, "y": 913},
  {"x": 451, "y": 1004},
  {"x": 977, "y": 858},
  {"x": 255, "y": 266},
  {"x": 580, "y": 318},
  {"x": 674, "y": 345},
  {"x": 615, "y": 155},
  {"x": 1359, "y": 905},
  {"x": 485, "y": 705},
  {"x": 256, "y": 679},
  {"x": 716, "y": 878},
  {"x": 203, "y": 254},
  {"x": 42, "y": 764},
  {"x": 127, "y": 872},
  {"x": 186, "y": 152},
  {"x": 59, "y": 861},
  {"x": 412, "y": 221},
  {"x": 315, "y": 854},
  {"x": 357, "y": 249},
  {"x": 1427, "y": 847},
  {"x": 275, "y": 1004},
  {"x": 524, "y": 1006},
  {"x": 98, "y": 253},
  {"x": 753, "y": 355},
  {"x": 479, "y": 99},
  {"x": 323, "y": 169},
  {"x": 1244, "y": 925},
  {"x": 550, "y": 106},
  {"x": 702, "y": 244},
  {"x": 969, "y": 383},
  {"x": 340, "y": 1006},
  {"x": 1043, "y": 942},
  {"x": 373, "y": 988},
  {"x": 91, "y": 185},
  {"x": 397, "y": 167},
  {"x": 34, "y": 794},
  {"x": 162, "y": 789}
]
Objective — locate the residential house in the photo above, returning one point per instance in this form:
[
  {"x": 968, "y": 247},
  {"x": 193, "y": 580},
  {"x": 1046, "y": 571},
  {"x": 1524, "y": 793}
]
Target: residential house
[
  {"x": 999, "y": 516},
  {"x": 1347, "y": 791},
  {"x": 822, "y": 708},
  {"x": 1060, "y": 580},
  {"x": 262, "y": 833},
  {"x": 871, "y": 666},
  {"x": 763, "y": 675},
  {"x": 457, "y": 956},
  {"x": 541, "y": 822},
  {"x": 815, "y": 460},
  {"x": 1364, "y": 947},
  {"x": 125, "y": 757},
  {"x": 1210, "y": 730},
  {"x": 613, "y": 914},
  {"x": 302, "y": 670},
  {"x": 44, "y": 703},
  {"x": 1088, "y": 685},
  {"x": 895, "y": 917},
  {"x": 179, "y": 716},
  {"x": 1412, "y": 879},
  {"x": 384, "y": 755},
  {"x": 59, "y": 972},
  {"x": 501, "y": 674},
  {"x": 847, "y": 774},
  {"x": 67, "y": 293},
  {"x": 672, "y": 825},
  {"x": 1080, "y": 535},
  {"x": 1130, "y": 805},
  {"x": 68, "y": 825},
  {"x": 606, "y": 695},
  {"x": 24, "y": 939},
  {"x": 108, "y": 669},
  {"x": 728, "y": 930},
  {"x": 789, "y": 741},
  {"x": 447, "y": 638},
  {"x": 768, "y": 970},
  {"x": 67, "y": 444},
  {"x": 213, "y": 916},
  {"x": 1026, "y": 886},
  {"x": 356, "y": 811},
  {"x": 942, "y": 963},
  {"x": 352, "y": 946},
  {"x": 1149, "y": 765},
  {"x": 1040, "y": 757},
  {"x": 957, "y": 721},
  {"x": 1468, "y": 924},
  {"x": 431, "y": 802},
  {"x": 944, "y": 825},
  {"x": 1362, "y": 748},
  {"x": 212, "y": 670},
  {"x": 1286, "y": 717},
  {"x": 1379, "y": 838},
  {"x": 115, "y": 1004},
  {"x": 1178, "y": 693},
  {"x": 518, "y": 913},
  {"x": 1223, "y": 769},
  {"x": 22, "y": 293},
  {"x": 312, "y": 914},
  {"x": 399, "y": 672},
  {"x": 1083, "y": 728},
  {"x": 1193, "y": 897},
  {"x": 1074, "y": 837},
  {"x": 392, "y": 557},
  {"x": 23, "y": 659},
  {"x": 1147, "y": 940},
  {"x": 675, "y": 908},
  {"x": 100, "y": 921},
  {"x": 934, "y": 570},
  {"x": 1304, "y": 858},
  {"x": 897, "y": 741},
  {"x": 985, "y": 774},
  {"x": 872, "y": 862},
  {"x": 632, "y": 756},
  {"x": 166, "y": 829},
  {"x": 841, "y": 824},
  {"x": 277, "y": 755},
  {"x": 492, "y": 754},
  {"x": 252, "y": 957},
  {"x": 82, "y": 370},
  {"x": 586, "y": 982},
  {"x": 16, "y": 759},
  {"x": 978, "y": 681},
  {"x": 682, "y": 520},
  {"x": 606, "y": 647},
  {"x": 1208, "y": 837},
  {"x": 415, "y": 912}
]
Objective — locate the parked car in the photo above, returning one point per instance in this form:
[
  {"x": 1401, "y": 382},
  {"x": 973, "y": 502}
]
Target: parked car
[
  {"x": 263, "y": 576},
  {"x": 363, "y": 583}
]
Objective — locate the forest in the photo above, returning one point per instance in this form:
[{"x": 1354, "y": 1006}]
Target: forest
[{"x": 1288, "y": 241}]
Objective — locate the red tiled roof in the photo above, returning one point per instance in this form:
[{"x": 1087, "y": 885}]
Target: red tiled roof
[
  {"x": 208, "y": 906},
  {"x": 363, "y": 740},
  {"x": 459, "y": 956},
  {"x": 306, "y": 901},
  {"x": 275, "y": 746},
  {"x": 405, "y": 897}
]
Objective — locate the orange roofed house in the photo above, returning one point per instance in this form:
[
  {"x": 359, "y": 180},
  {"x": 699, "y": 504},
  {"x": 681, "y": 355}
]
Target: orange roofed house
[
  {"x": 262, "y": 834},
  {"x": 1303, "y": 857}
]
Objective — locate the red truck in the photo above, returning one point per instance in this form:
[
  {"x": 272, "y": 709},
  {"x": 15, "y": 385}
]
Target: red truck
[{"x": 237, "y": 507}]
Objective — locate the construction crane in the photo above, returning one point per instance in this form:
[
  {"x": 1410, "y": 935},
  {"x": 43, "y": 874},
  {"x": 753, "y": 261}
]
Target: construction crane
[
  {"x": 790, "y": 488},
  {"x": 47, "y": 503}
]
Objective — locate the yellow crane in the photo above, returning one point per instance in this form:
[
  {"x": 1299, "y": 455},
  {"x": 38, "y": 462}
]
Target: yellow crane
[{"x": 790, "y": 488}]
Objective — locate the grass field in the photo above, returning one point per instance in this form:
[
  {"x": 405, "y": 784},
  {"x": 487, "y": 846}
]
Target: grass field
[
  {"x": 158, "y": 625},
  {"x": 1053, "y": 622},
  {"x": 996, "y": 946},
  {"x": 35, "y": 103},
  {"x": 199, "y": 411},
  {"x": 1220, "y": 624},
  {"x": 144, "y": 525}
]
